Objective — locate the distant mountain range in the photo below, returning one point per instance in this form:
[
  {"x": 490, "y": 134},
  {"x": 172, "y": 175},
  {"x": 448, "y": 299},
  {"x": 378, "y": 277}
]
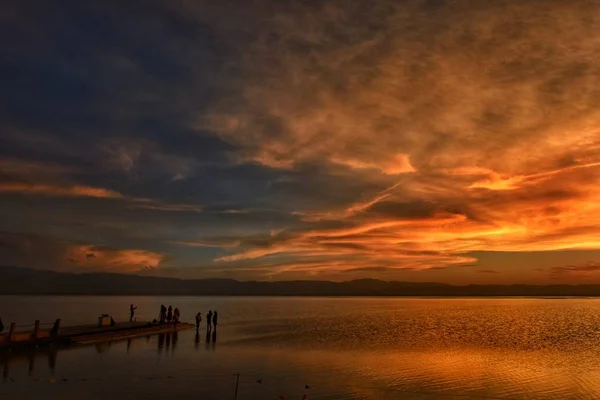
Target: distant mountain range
[{"x": 14, "y": 280}]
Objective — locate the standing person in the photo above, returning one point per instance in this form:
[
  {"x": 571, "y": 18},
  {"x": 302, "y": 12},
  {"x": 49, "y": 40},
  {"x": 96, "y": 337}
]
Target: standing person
[
  {"x": 198, "y": 320},
  {"x": 131, "y": 312},
  {"x": 215, "y": 316},
  {"x": 163, "y": 314},
  {"x": 176, "y": 316},
  {"x": 208, "y": 321},
  {"x": 169, "y": 314}
]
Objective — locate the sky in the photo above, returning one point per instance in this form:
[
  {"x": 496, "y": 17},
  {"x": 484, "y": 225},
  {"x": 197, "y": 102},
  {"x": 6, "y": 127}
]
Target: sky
[{"x": 414, "y": 140}]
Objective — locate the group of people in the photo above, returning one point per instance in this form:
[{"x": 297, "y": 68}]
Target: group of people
[
  {"x": 212, "y": 318},
  {"x": 168, "y": 315}
]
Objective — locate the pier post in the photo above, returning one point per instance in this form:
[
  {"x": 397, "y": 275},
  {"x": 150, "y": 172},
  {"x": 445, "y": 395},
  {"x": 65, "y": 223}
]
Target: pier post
[
  {"x": 11, "y": 333},
  {"x": 36, "y": 329}
]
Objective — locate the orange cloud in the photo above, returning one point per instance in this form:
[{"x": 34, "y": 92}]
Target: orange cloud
[
  {"x": 97, "y": 258},
  {"x": 500, "y": 141},
  {"x": 541, "y": 216},
  {"x": 61, "y": 191},
  {"x": 44, "y": 252}
]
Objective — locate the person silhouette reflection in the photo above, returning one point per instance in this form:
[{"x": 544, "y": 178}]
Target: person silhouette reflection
[
  {"x": 161, "y": 342},
  {"x": 214, "y": 340},
  {"x": 197, "y": 340},
  {"x": 174, "y": 340}
]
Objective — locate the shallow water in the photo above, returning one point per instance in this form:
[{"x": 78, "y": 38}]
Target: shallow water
[{"x": 342, "y": 348}]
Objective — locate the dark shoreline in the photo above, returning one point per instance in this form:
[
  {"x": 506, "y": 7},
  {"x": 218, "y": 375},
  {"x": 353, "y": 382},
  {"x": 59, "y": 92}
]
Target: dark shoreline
[{"x": 23, "y": 281}]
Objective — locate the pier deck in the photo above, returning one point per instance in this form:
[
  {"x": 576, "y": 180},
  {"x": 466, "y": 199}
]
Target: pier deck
[{"x": 88, "y": 334}]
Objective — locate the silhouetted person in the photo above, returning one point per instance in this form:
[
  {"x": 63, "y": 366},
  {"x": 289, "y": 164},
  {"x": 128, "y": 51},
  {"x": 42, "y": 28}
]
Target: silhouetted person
[
  {"x": 198, "y": 320},
  {"x": 2, "y": 325},
  {"x": 176, "y": 316},
  {"x": 170, "y": 314},
  {"x": 162, "y": 316},
  {"x": 131, "y": 312},
  {"x": 54, "y": 330},
  {"x": 215, "y": 316},
  {"x": 209, "y": 321}
]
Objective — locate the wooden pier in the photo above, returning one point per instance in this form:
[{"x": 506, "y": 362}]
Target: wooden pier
[{"x": 85, "y": 334}]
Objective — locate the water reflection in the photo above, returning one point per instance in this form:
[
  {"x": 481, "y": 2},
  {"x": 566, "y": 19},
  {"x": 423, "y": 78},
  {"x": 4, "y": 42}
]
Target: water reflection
[
  {"x": 30, "y": 357},
  {"x": 32, "y": 364},
  {"x": 161, "y": 342},
  {"x": 453, "y": 349},
  {"x": 102, "y": 347},
  {"x": 5, "y": 370},
  {"x": 52, "y": 355}
]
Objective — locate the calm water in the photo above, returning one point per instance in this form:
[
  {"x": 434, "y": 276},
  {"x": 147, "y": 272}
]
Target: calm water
[{"x": 342, "y": 348}]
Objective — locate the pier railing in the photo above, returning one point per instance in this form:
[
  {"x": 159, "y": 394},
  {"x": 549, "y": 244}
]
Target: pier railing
[{"x": 16, "y": 333}]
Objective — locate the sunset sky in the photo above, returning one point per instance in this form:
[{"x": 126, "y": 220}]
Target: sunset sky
[{"x": 431, "y": 140}]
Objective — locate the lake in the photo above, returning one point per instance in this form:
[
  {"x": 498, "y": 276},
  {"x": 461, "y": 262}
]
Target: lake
[{"x": 326, "y": 348}]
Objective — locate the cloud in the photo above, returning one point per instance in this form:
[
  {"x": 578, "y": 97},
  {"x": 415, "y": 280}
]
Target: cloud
[
  {"x": 588, "y": 270},
  {"x": 440, "y": 93},
  {"x": 101, "y": 258},
  {"x": 60, "y": 191},
  {"x": 28, "y": 169},
  {"x": 142, "y": 157},
  {"x": 487, "y": 271},
  {"x": 150, "y": 204},
  {"x": 222, "y": 243},
  {"x": 288, "y": 138},
  {"x": 368, "y": 269},
  {"x": 42, "y": 252}
]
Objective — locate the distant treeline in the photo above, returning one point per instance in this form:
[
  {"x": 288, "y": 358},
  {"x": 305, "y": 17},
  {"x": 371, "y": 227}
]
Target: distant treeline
[{"x": 15, "y": 280}]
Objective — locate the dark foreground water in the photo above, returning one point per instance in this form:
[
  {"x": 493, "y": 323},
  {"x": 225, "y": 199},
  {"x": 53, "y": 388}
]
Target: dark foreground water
[{"x": 342, "y": 348}]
